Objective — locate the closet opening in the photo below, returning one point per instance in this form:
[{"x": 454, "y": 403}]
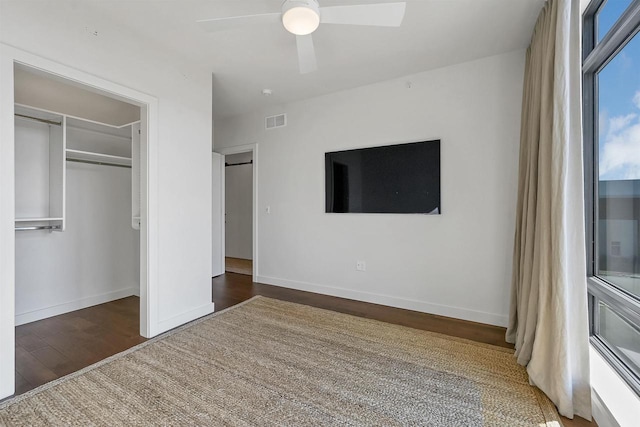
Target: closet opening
[
  {"x": 234, "y": 211},
  {"x": 80, "y": 225},
  {"x": 238, "y": 218}
]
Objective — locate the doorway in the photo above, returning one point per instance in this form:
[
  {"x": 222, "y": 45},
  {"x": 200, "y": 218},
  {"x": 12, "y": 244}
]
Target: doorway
[
  {"x": 238, "y": 218},
  {"x": 238, "y": 194},
  {"x": 56, "y": 219},
  {"x": 77, "y": 226}
]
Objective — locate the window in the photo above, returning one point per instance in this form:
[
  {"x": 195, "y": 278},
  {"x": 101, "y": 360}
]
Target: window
[
  {"x": 607, "y": 14},
  {"x": 611, "y": 104}
]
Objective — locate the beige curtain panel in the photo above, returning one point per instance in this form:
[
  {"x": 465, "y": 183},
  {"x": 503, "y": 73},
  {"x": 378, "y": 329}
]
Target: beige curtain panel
[{"x": 548, "y": 318}]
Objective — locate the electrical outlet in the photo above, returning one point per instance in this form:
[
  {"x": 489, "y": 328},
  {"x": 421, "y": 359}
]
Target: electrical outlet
[{"x": 361, "y": 265}]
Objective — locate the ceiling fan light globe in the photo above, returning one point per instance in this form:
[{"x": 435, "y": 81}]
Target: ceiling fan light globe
[{"x": 301, "y": 20}]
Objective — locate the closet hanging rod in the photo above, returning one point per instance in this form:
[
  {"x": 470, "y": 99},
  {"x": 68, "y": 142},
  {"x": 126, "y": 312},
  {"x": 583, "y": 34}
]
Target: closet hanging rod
[
  {"x": 250, "y": 162},
  {"x": 93, "y": 162},
  {"x": 39, "y": 227},
  {"x": 49, "y": 122}
]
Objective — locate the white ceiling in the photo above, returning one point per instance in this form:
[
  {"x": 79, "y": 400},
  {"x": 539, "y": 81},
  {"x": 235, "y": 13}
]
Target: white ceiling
[{"x": 435, "y": 33}]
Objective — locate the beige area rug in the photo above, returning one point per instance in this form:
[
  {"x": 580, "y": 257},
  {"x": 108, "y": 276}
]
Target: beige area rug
[{"x": 269, "y": 362}]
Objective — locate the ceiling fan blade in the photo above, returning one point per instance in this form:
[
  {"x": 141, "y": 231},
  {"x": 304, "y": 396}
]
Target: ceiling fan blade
[
  {"x": 382, "y": 14},
  {"x": 306, "y": 54},
  {"x": 220, "y": 24}
]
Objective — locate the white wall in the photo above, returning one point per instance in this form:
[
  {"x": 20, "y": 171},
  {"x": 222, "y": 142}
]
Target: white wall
[
  {"x": 239, "y": 206},
  {"x": 96, "y": 258},
  {"x": 456, "y": 264},
  {"x": 614, "y": 403},
  {"x": 32, "y": 179},
  {"x": 55, "y": 31}
]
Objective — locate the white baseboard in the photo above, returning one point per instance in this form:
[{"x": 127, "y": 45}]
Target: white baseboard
[
  {"x": 55, "y": 310},
  {"x": 181, "y": 319},
  {"x": 408, "y": 304},
  {"x": 601, "y": 414}
]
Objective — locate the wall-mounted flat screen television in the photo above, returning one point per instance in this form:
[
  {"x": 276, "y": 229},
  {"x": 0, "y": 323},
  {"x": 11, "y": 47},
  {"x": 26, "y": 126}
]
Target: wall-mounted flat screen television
[{"x": 400, "y": 179}]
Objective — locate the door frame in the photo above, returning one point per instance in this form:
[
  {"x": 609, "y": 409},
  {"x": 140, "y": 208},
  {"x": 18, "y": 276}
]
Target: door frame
[
  {"x": 217, "y": 220},
  {"x": 148, "y": 104},
  {"x": 246, "y": 148}
]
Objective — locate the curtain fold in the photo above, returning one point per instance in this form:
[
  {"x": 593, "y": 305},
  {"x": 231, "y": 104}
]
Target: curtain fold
[{"x": 548, "y": 320}]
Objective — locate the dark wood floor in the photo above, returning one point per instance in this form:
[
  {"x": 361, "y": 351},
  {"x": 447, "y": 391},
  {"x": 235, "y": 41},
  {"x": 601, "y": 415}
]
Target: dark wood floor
[
  {"x": 230, "y": 289},
  {"x": 54, "y": 347},
  {"x": 238, "y": 265}
]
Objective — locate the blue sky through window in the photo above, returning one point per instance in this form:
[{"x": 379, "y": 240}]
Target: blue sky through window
[
  {"x": 619, "y": 103},
  {"x": 609, "y": 13}
]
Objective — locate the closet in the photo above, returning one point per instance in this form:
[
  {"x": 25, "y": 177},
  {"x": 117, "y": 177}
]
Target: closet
[{"x": 77, "y": 198}]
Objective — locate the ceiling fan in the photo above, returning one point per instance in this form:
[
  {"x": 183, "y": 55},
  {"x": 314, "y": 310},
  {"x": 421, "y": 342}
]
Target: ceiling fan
[{"x": 302, "y": 17}]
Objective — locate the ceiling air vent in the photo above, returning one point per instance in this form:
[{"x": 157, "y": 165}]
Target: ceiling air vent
[{"x": 273, "y": 122}]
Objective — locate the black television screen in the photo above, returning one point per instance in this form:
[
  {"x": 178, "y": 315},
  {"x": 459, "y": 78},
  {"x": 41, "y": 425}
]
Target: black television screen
[{"x": 403, "y": 178}]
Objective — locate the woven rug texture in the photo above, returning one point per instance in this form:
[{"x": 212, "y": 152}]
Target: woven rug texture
[{"x": 273, "y": 363}]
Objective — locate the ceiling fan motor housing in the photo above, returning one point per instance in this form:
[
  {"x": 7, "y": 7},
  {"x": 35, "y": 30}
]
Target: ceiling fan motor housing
[{"x": 301, "y": 17}]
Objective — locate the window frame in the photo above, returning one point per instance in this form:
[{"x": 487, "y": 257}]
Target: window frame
[{"x": 595, "y": 56}]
